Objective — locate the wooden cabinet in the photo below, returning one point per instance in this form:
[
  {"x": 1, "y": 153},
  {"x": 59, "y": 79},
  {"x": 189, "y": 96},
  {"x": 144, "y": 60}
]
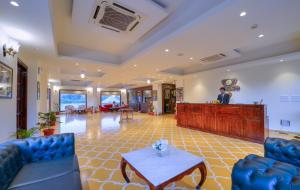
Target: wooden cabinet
[{"x": 247, "y": 122}]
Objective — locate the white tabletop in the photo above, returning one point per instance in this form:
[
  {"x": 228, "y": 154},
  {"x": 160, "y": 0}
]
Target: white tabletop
[{"x": 157, "y": 169}]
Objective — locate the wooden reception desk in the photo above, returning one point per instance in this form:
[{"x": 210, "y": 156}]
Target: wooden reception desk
[{"x": 243, "y": 121}]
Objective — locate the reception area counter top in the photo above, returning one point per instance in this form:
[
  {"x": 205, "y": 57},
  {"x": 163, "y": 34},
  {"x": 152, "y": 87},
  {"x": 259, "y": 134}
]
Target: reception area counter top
[{"x": 243, "y": 121}]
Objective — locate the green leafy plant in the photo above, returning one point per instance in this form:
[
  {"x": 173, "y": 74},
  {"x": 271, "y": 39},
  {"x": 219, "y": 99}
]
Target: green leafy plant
[
  {"x": 46, "y": 120},
  {"x": 23, "y": 133}
]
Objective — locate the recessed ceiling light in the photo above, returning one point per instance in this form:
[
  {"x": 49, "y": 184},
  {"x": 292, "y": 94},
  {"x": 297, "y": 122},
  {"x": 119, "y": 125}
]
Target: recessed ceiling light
[
  {"x": 135, "y": 65},
  {"x": 148, "y": 81},
  {"x": 228, "y": 70},
  {"x": 243, "y": 14},
  {"x": 76, "y": 64},
  {"x": 167, "y": 50},
  {"x": 281, "y": 60},
  {"x": 82, "y": 75},
  {"x": 191, "y": 58},
  {"x": 261, "y": 35},
  {"x": 14, "y": 3},
  {"x": 99, "y": 70}
]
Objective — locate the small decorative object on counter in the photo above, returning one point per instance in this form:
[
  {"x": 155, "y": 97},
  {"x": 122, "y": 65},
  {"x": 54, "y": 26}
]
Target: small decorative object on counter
[{"x": 161, "y": 147}]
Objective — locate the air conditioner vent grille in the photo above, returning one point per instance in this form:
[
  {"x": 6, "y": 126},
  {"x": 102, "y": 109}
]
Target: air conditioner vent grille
[
  {"x": 215, "y": 57},
  {"x": 115, "y": 17}
]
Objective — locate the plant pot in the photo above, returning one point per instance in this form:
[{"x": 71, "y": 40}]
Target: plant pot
[
  {"x": 151, "y": 113},
  {"x": 48, "y": 132},
  {"x": 52, "y": 123}
]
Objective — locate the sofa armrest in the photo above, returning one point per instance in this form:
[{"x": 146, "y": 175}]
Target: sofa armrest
[
  {"x": 46, "y": 148},
  {"x": 283, "y": 150},
  {"x": 10, "y": 164}
]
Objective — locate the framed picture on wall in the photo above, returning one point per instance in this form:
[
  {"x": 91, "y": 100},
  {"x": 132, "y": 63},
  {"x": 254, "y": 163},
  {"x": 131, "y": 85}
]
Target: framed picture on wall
[
  {"x": 6, "y": 81},
  {"x": 38, "y": 90}
]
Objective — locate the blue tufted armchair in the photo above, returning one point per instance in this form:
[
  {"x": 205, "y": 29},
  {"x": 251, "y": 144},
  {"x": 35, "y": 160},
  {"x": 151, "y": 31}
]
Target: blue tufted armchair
[
  {"x": 277, "y": 170},
  {"x": 40, "y": 163}
]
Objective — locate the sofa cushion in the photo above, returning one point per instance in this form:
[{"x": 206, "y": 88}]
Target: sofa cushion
[
  {"x": 255, "y": 172},
  {"x": 283, "y": 150},
  {"x": 38, "y": 149},
  {"x": 41, "y": 172},
  {"x": 10, "y": 164}
]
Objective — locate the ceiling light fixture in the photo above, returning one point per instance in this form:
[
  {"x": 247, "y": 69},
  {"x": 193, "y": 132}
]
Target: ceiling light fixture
[
  {"x": 135, "y": 65},
  {"x": 14, "y": 3},
  {"x": 243, "y": 14},
  {"x": 228, "y": 70},
  {"x": 82, "y": 75},
  {"x": 167, "y": 50},
  {"x": 191, "y": 58},
  {"x": 99, "y": 70},
  {"x": 77, "y": 64},
  {"x": 281, "y": 60},
  {"x": 148, "y": 81},
  {"x": 261, "y": 35}
]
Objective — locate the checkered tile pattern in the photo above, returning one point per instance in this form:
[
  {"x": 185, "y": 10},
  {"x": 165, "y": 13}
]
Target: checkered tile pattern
[{"x": 104, "y": 139}]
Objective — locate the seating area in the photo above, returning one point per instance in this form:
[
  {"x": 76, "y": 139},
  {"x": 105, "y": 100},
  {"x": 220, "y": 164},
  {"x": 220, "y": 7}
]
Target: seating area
[
  {"x": 149, "y": 95},
  {"x": 40, "y": 163},
  {"x": 279, "y": 169}
]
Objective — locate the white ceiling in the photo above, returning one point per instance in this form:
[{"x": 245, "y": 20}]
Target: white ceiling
[{"x": 52, "y": 30}]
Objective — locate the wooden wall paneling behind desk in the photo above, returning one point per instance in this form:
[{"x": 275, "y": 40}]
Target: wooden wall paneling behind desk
[{"x": 246, "y": 122}]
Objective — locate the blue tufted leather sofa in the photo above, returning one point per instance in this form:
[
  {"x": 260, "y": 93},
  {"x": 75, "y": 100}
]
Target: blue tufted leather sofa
[
  {"x": 279, "y": 169},
  {"x": 40, "y": 163}
]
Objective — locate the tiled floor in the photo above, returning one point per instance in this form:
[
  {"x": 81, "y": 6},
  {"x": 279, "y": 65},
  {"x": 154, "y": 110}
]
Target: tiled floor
[{"x": 100, "y": 139}]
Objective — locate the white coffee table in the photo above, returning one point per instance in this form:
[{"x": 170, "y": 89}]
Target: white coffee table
[{"x": 157, "y": 171}]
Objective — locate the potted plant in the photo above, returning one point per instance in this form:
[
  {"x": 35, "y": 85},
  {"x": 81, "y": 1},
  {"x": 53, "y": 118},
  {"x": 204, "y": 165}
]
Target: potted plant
[
  {"x": 46, "y": 123},
  {"x": 151, "y": 109},
  {"x": 23, "y": 133},
  {"x": 52, "y": 118}
]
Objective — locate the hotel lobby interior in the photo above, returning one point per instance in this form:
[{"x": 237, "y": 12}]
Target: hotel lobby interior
[{"x": 150, "y": 94}]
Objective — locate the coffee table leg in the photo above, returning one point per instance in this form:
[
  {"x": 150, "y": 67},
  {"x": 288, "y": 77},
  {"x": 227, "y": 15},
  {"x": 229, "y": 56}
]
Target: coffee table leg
[
  {"x": 203, "y": 172},
  {"x": 123, "y": 169}
]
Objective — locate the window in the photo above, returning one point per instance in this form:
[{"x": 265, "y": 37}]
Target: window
[
  {"x": 71, "y": 97},
  {"x": 110, "y": 97}
]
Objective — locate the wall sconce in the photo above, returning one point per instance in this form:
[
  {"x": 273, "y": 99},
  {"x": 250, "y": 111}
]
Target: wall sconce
[{"x": 11, "y": 48}]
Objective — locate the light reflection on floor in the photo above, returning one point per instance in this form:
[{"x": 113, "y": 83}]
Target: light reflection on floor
[{"x": 78, "y": 123}]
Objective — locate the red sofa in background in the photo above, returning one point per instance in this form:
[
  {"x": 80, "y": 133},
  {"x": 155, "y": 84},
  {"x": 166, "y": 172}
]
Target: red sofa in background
[{"x": 105, "y": 108}]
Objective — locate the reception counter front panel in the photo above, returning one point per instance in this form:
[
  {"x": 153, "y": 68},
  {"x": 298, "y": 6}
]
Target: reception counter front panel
[{"x": 247, "y": 122}]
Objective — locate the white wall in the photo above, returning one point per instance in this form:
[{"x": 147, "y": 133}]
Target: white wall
[
  {"x": 267, "y": 82},
  {"x": 8, "y": 106}
]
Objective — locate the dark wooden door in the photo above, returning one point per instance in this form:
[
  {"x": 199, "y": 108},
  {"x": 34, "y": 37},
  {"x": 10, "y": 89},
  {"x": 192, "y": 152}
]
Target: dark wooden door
[{"x": 21, "y": 96}]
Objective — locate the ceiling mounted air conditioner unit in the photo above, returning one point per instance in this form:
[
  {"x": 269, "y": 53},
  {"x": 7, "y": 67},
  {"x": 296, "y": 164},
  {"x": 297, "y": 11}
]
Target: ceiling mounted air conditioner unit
[
  {"x": 213, "y": 58},
  {"x": 114, "y": 17}
]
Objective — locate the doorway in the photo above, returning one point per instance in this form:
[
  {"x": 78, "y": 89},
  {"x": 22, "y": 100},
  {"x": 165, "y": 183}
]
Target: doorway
[
  {"x": 168, "y": 98},
  {"x": 21, "y": 95}
]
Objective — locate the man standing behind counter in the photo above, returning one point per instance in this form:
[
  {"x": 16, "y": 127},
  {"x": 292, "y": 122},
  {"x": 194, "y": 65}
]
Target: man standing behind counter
[{"x": 223, "y": 97}]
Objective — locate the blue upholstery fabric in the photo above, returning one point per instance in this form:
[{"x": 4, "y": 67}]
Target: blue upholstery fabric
[
  {"x": 46, "y": 148},
  {"x": 10, "y": 164},
  {"x": 40, "y": 163},
  {"x": 259, "y": 173},
  {"x": 41, "y": 172},
  {"x": 283, "y": 150}
]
